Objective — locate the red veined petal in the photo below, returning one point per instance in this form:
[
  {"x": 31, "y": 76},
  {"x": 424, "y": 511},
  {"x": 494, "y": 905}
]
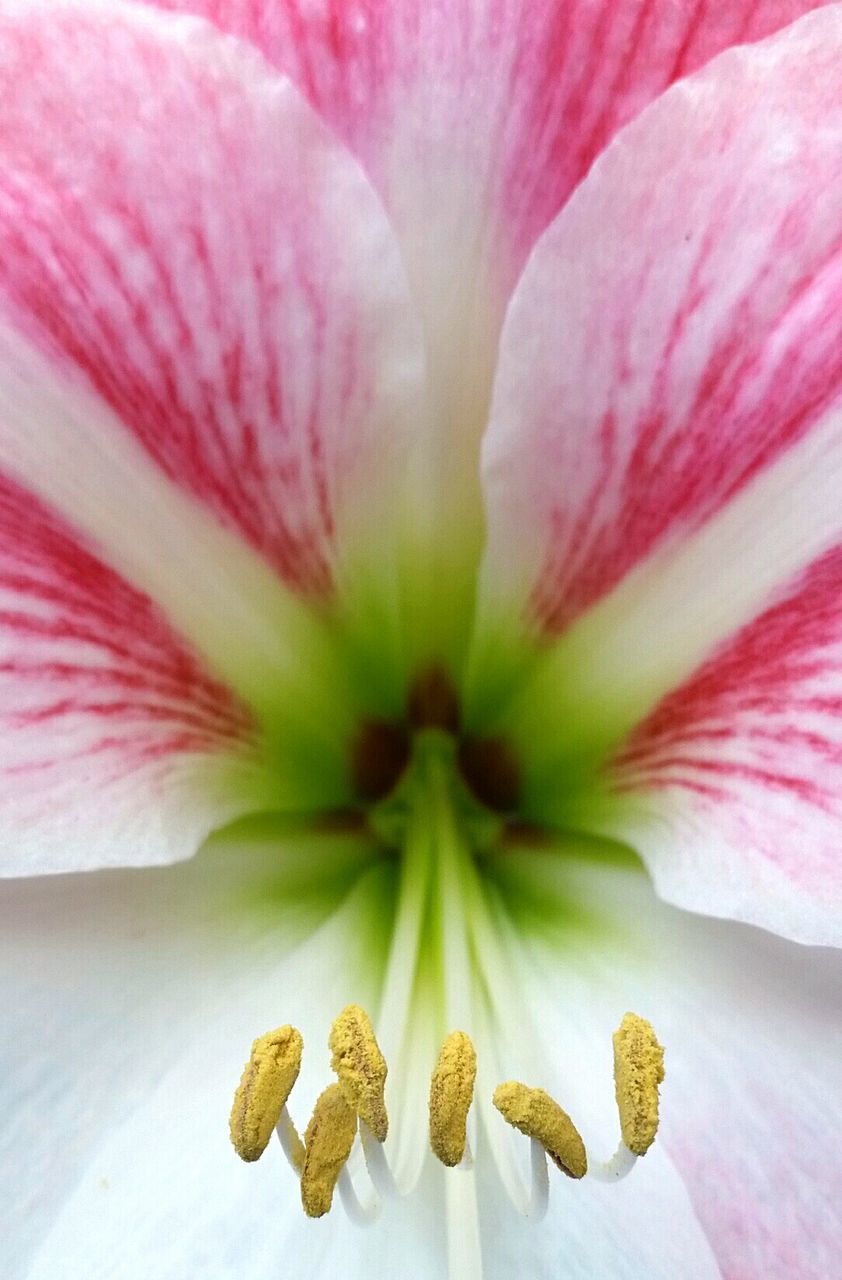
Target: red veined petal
[
  {"x": 118, "y": 746},
  {"x": 179, "y": 231},
  {"x": 662, "y": 469},
  {"x": 475, "y": 121}
]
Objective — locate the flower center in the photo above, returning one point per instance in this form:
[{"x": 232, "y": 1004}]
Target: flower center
[
  {"x": 439, "y": 803},
  {"x": 382, "y": 749}
]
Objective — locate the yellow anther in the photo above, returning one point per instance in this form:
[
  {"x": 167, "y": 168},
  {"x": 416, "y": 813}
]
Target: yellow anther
[
  {"x": 539, "y": 1116},
  {"x": 451, "y": 1094},
  {"x": 266, "y": 1083},
  {"x": 361, "y": 1068},
  {"x": 327, "y": 1145},
  {"x": 638, "y": 1071}
]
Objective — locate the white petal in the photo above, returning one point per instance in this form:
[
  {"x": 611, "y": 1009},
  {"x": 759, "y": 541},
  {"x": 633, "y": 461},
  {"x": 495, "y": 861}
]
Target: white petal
[
  {"x": 750, "y": 1107},
  {"x": 131, "y": 1002}
]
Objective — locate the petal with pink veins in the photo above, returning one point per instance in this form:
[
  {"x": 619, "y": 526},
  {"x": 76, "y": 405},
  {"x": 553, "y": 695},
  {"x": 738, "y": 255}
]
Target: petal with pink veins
[
  {"x": 119, "y": 747},
  {"x": 180, "y": 233},
  {"x": 555, "y": 81},
  {"x": 662, "y": 473},
  {"x": 741, "y": 769},
  {"x": 475, "y": 121},
  {"x": 208, "y": 369}
]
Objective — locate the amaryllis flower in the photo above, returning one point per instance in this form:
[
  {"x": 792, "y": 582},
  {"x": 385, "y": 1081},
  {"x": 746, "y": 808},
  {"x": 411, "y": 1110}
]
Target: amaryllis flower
[{"x": 420, "y": 473}]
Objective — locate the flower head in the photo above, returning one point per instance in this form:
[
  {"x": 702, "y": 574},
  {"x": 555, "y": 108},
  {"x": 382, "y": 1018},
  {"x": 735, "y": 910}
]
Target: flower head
[{"x": 420, "y": 444}]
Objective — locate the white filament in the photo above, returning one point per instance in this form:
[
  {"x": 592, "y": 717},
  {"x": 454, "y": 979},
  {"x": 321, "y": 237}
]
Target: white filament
[
  {"x": 464, "y": 1249},
  {"x": 619, "y": 1166},
  {"x": 382, "y": 1178},
  {"x": 289, "y": 1140},
  {"x": 362, "y": 1215},
  {"x": 539, "y": 1197}
]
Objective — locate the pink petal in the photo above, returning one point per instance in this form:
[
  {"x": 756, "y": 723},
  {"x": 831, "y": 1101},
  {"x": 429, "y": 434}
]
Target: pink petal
[
  {"x": 733, "y": 785},
  {"x": 208, "y": 362},
  {"x": 179, "y": 231},
  {"x": 475, "y": 121},
  {"x": 555, "y": 81},
  {"x": 663, "y": 467},
  {"x": 118, "y": 746}
]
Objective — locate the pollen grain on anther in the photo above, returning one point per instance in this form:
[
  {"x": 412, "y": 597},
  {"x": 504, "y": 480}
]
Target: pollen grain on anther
[
  {"x": 638, "y": 1074},
  {"x": 539, "y": 1116},
  {"x": 328, "y": 1140},
  {"x": 360, "y": 1067},
  {"x": 451, "y": 1095},
  {"x": 266, "y": 1083}
]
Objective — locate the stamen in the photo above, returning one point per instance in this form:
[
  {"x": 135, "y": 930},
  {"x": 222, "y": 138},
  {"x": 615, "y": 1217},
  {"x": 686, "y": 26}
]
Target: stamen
[
  {"x": 614, "y": 1170},
  {"x": 536, "y": 1114},
  {"x": 327, "y": 1145},
  {"x": 464, "y": 1244},
  {"x": 361, "y": 1068},
  {"x": 362, "y": 1215},
  {"x": 291, "y": 1144},
  {"x": 451, "y": 1094},
  {"x": 382, "y": 1178},
  {"x": 266, "y": 1083},
  {"x": 638, "y": 1071},
  {"x": 539, "y": 1194}
]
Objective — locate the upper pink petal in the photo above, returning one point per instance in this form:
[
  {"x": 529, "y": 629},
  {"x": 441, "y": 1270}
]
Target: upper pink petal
[
  {"x": 208, "y": 368},
  {"x": 512, "y": 97},
  {"x": 662, "y": 473},
  {"x": 674, "y": 334},
  {"x": 475, "y": 120},
  {"x": 179, "y": 230}
]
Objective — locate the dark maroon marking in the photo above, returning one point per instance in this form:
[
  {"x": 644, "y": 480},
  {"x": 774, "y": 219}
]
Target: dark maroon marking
[
  {"x": 379, "y": 755},
  {"x": 523, "y": 834},
  {"x": 433, "y": 702},
  {"x": 490, "y": 769},
  {"x": 340, "y": 822}
]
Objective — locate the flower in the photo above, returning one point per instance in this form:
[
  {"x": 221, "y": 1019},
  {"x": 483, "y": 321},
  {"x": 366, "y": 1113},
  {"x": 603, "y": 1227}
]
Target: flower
[{"x": 419, "y": 488}]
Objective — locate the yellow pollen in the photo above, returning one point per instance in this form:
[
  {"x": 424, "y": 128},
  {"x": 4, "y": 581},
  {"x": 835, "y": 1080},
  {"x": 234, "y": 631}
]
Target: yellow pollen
[
  {"x": 266, "y": 1083},
  {"x": 451, "y": 1094},
  {"x": 638, "y": 1071},
  {"x": 539, "y": 1116},
  {"x": 360, "y": 1067},
  {"x": 327, "y": 1145}
]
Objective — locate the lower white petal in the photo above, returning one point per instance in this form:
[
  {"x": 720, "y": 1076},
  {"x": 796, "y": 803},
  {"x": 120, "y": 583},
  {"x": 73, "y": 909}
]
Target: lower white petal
[
  {"x": 130, "y": 999},
  {"x": 135, "y": 995},
  {"x": 750, "y": 1117}
]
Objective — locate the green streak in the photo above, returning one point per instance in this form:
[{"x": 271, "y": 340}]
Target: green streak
[{"x": 436, "y": 825}]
